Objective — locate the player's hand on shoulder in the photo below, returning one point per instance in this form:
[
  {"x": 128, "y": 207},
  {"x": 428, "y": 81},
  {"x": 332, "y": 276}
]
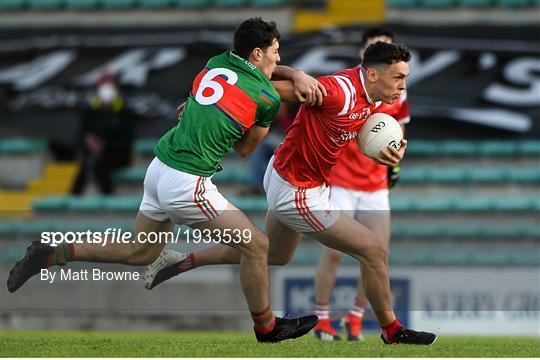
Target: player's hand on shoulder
[
  {"x": 390, "y": 156},
  {"x": 307, "y": 89}
]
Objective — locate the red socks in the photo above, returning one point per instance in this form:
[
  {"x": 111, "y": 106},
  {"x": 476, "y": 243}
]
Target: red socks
[
  {"x": 187, "y": 264},
  {"x": 322, "y": 311},
  {"x": 264, "y": 320},
  {"x": 359, "y": 308},
  {"x": 61, "y": 255},
  {"x": 390, "y": 330}
]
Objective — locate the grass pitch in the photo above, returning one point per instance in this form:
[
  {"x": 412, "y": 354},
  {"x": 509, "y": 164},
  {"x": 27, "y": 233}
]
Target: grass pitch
[{"x": 209, "y": 344}]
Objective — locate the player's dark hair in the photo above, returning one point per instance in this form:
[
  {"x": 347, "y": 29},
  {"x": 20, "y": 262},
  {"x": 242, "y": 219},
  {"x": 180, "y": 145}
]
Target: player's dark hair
[
  {"x": 382, "y": 53},
  {"x": 254, "y": 33},
  {"x": 376, "y": 32}
]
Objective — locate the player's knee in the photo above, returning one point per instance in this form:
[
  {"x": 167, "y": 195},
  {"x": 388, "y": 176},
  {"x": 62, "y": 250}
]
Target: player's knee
[
  {"x": 262, "y": 246},
  {"x": 377, "y": 254},
  {"x": 376, "y": 245},
  {"x": 257, "y": 247}
]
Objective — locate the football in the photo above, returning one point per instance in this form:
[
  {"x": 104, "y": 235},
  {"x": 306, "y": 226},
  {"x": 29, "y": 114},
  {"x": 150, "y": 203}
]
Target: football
[{"x": 379, "y": 131}]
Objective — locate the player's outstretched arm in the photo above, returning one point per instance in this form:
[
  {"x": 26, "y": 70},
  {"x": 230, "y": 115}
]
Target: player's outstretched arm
[
  {"x": 285, "y": 89},
  {"x": 304, "y": 86},
  {"x": 253, "y": 137},
  {"x": 288, "y": 93}
]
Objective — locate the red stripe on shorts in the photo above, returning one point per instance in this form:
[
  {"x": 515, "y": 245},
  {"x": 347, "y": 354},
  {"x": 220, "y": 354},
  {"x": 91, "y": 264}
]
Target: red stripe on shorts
[
  {"x": 300, "y": 207},
  {"x": 310, "y": 214},
  {"x": 208, "y": 201},
  {"x": 197, "y": 188}
]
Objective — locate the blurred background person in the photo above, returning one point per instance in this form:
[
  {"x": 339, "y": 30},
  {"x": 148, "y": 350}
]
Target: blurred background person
[{"x": 106, "y": 133}]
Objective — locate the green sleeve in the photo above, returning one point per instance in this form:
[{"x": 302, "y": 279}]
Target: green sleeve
[{"x": 267, "y": 110}]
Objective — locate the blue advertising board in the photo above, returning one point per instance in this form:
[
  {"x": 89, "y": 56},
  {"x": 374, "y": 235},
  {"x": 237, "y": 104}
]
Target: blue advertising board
[{"x": 298, "y": 298}]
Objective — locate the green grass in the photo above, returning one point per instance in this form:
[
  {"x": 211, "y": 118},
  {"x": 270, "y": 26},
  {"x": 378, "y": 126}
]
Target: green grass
[{"x": 207, "y": 344}]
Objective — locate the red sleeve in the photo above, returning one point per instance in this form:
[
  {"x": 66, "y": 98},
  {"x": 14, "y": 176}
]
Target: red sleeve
[
  {"x": 335, "y": 98},
  {"x": 403, "y": 116}
]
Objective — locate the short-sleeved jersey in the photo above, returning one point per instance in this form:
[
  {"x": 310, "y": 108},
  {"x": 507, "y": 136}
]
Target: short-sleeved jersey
[
  {"x": 354, "y": 170},
  {"x": 318, "y": 135},
  {"x": 228, "y": 97}
]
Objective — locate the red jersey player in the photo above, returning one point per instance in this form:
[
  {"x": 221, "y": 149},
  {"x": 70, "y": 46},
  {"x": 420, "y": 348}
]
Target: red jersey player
[
  {"x": 359, "y": 187},
  {"x": 297, "y": 178}
]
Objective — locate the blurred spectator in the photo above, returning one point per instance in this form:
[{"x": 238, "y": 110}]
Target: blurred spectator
[
  {"x": 106, "y": 136},
  {"x": 258, "y": 160}
]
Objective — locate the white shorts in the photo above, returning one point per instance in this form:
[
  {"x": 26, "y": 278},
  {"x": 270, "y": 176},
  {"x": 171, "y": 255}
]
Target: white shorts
[
  {"x": 358, "y": 204},
  {"x": 181, "y": 197},
  {"x": 301, "y": 209}
]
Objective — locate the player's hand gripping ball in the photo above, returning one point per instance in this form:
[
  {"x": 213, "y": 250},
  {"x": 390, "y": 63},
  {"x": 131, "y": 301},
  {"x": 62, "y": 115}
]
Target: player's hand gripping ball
[{"x": 379, "y": 131}]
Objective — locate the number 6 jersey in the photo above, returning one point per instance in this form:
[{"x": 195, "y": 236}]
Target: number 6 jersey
[{"x": 228, "y": 97}]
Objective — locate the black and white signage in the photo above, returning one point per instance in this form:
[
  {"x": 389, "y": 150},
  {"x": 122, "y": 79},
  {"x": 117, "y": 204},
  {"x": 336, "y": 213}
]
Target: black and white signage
[{"x": 487, "y": 80}]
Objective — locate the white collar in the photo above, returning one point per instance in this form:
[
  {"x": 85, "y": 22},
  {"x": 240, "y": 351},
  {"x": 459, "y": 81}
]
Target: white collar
[{"x": 364, "y": 86}]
